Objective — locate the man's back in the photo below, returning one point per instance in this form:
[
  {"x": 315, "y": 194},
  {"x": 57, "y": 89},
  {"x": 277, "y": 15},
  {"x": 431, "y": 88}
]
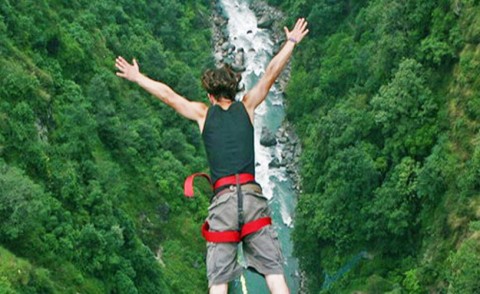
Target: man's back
[{"x": 228, "y": 137}]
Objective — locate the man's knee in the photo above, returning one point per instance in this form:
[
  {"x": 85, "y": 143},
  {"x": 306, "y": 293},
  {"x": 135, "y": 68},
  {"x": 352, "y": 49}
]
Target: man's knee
[
  {"x": 219, "y": 289},
  {"x": 277, "y": 284}
]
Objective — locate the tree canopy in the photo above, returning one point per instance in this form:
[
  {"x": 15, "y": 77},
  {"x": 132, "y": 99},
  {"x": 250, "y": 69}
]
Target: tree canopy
[
  {"x": 91, "y": 167},
  {"x": 384, "y": 95}
]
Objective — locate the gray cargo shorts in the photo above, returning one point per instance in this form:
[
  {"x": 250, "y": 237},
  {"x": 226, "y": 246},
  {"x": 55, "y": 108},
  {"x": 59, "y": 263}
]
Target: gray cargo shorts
[{"x": 261, "y": 249}]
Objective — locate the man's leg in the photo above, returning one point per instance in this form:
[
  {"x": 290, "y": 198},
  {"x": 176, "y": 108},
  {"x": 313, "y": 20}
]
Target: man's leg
[
  {"x": 277, "y": 284},
  {"x": 262, "y": 249},
  {"x": 219, "y": 289}
]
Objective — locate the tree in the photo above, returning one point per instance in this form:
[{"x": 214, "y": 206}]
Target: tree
[
  {"x": 465, "y": 264},
  {"x": 23, "y": 206},
  {"x": 395, "y": 206},
  {"x": 406, "y": 111}
]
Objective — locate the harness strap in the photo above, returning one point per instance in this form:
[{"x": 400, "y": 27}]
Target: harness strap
[
  {"x": 245, "y": 229},
  {"x": 235, "y": 236},
  {"x": 188, "y": 184},
  {"x": 241, "y": 217},
  {"x": 256, "y": 225},
  {"x": 233, "y": 180},
  {"x": 220, "y": 237},
  {"x": 228, "y": 180}
]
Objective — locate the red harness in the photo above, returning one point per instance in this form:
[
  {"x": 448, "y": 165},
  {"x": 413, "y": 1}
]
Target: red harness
[{"x": 227, "y": 236}]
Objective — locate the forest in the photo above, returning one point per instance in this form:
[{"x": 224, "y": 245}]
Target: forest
[
  {"x": 384, "y": 95},
  {"x": 91, "y": 167}
]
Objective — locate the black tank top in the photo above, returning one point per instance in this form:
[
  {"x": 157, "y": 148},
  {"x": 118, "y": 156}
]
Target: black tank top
[{"x": 228, "y": 138}]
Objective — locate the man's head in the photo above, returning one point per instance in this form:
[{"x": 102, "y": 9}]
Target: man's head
[{"x": 221, "y": 82}]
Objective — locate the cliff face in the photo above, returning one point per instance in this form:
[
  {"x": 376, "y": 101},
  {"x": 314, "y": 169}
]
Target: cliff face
[{"x": 385, "y": 98}]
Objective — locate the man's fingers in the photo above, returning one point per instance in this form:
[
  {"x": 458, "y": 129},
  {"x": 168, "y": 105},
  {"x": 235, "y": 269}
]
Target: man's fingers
[
  {"x": 304, "y": 26},
  {"x": 299, "y": 23},
  {"x": 121, "y": 74},
  {"x": 300, "y": 26},
  {"x": 299, "y": 30},
  {"x": 121, "y": 59},
  {"x": 119, "y": 66}
]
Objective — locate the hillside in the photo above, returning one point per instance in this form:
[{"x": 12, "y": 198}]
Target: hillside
[
  {"x": 91, "y": 167},
  {"x": 385, "y": 96}
]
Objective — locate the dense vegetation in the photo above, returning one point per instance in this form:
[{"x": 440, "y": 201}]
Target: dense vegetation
[
  {"x": 385, "y": 95},
  {"x": 91, "y": 167}
]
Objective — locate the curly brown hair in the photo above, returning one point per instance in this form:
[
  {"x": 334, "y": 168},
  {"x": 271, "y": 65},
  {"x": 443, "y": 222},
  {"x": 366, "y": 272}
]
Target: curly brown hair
[{"x": 221, "y": 82}]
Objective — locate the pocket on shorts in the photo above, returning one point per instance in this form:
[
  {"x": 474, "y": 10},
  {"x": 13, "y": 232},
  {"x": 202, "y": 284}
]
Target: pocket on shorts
[
  {"x": 255, "y": 206},
  {"x": 255, "y": 191},
  {"x": 219, "y": 200},
  {"x": 263, "y": 251},
  {"x": 222, "y": 213},
  {"x": 211, "y": 258},
  {"x": 276, "y": 242}
]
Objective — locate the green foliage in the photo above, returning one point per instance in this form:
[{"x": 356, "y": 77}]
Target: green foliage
[
  {"x": 465, "y": 264},
  {"x": 19, "y": 276},
  {"x": 91, "y": 167},
  {"x": 433, "y": 176},
  {"x": 395, "y": 206},
  {"x": 23, "y": 205},
  {"x": 384, "y": 95},
  {"x": 411, "y": 283},
  {"x": 405, "y": 110}
]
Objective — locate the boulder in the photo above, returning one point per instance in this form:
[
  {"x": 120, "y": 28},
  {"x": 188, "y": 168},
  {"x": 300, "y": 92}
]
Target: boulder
[
  {"x": 267, "y": 138},
  {"x": 225, "y": 46},
  {"x": 238, "y": 68},
  {"x": 282, "y": 140},
  {"x": 228, "y": 60},
  {"x": 275, "y": 163},
  {"x": 289, "y": 156},
  {"x": 265, "y": 22},
  {"x": 218, "y": 56},
  {"x": 239, "y": 60}
]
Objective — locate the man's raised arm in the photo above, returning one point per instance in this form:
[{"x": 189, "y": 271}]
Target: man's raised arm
[
  {"x": 192, "y": 110},
  {"x": 260, "y": 91}
]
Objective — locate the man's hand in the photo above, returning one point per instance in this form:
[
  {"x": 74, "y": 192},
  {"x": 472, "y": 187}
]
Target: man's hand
[
  {"x": 128, "y": 71},
  {"x": 259, "y": 92},
  {"x": 299, "y": 31}
]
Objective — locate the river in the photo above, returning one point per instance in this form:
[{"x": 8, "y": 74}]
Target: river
[{"x": 258, "y": 46}]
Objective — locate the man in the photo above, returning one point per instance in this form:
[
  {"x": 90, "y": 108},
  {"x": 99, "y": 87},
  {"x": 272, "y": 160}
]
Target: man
[{"x": 238, "y": 212}]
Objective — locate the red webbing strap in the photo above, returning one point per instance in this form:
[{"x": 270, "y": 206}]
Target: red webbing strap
[
  {"x": 220, "y": 237},
  {"x": 235, "y": 236},
  {"x": 188, "y": 184},
  {"x": 232, "y": 180},
  {"x": 256, "y": 225}
]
